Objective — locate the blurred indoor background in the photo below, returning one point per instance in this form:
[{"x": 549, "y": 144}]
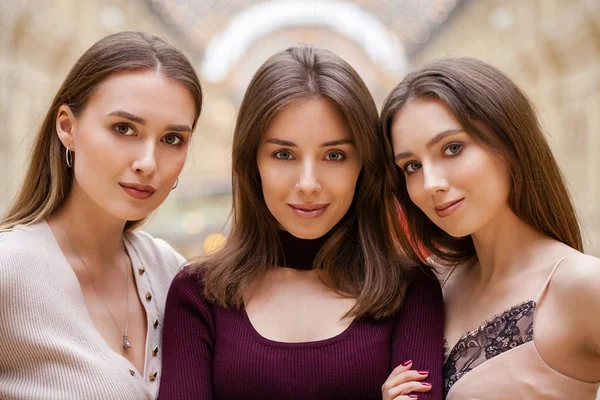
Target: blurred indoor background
[{"x": 550, "y": 47}]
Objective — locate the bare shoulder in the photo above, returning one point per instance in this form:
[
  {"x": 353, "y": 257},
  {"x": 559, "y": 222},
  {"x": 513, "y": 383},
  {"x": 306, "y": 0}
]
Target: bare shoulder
[
  {"x": 578, "y": 274},
  {"x": 575, "y": 285}
]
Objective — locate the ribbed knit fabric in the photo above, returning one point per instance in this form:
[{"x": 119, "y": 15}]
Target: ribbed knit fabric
[
  {"x": 49, "y": 346},
  {"x": 215, "y": 353}
]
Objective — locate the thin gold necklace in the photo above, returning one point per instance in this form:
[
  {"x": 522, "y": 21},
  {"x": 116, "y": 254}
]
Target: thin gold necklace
[{"x": 126, "y": 343}]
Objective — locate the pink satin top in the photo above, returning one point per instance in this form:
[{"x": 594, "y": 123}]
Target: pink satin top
[{"x": 500, "y": 361}]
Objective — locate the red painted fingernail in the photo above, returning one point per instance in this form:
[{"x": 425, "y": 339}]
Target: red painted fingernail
[
  {"x": 413, "y": 396},
  {"x": 423, "y": 372},
  {"x": 425, "y": 383},
  {"x": 405, "y": 363}
]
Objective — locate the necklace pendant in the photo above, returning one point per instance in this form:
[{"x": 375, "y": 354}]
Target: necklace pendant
[{"x": 126, "y": 343}]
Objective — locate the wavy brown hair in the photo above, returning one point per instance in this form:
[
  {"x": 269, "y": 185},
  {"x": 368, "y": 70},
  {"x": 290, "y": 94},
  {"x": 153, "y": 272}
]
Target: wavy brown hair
[
  {"x": 360, "y": 255},
  {"x": 498, "y": 115},
  {"x": 48, "y": 179}
]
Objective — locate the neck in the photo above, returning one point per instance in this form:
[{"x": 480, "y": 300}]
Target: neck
[
  {"x": 298, "y": 253},
  {"x": 506, "y": 246},
  {"x": 95, "y": 234}
]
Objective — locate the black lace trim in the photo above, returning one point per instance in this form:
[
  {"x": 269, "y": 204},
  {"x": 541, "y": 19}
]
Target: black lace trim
[{"x": 497, "y": 335}]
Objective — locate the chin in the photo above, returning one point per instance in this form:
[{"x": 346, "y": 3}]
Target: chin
[
  {"x": 456, "y": 230},
  {"x": 308, "y": 233},
  {"x": 130, "y": 215}
]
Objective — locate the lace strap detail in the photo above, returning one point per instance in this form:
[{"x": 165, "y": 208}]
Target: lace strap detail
[{"x": 547, "y": 283}]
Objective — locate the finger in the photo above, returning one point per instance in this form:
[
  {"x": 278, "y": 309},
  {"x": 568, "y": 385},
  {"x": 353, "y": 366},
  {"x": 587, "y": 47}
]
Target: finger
[
  {"x": 406, "y": 397},
  {"x": 407, "y": 389},
  {"x": 407, "y": 376},
  {"x": 405, "y": 366}
]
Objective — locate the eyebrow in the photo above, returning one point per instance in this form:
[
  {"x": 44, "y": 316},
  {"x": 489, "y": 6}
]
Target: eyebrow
[
  {"x": 326, "y": 144},
  {"x": 432, "y": 142},
  {"x": 141, "y": 121}
]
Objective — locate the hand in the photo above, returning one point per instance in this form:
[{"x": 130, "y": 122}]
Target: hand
[{"x": 403, "y": 381}]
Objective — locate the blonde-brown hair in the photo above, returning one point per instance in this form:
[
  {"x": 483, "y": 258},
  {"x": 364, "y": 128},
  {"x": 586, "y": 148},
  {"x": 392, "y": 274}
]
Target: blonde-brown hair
[{"x": 48, "y": 179}]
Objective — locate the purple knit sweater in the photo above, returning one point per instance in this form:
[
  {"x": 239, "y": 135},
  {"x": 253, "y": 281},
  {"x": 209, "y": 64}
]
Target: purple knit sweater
[{"x": 210, "y": 352}]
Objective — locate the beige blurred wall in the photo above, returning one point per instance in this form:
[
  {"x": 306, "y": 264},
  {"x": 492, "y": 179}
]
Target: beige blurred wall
[{"x": 552, "y": 49}]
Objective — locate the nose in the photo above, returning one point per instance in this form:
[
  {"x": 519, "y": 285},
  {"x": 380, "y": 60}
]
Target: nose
[
  {"x": 434, "y": 179},
  {"x": 145, "y": 160},
  {"x": 308, "y": 182}
]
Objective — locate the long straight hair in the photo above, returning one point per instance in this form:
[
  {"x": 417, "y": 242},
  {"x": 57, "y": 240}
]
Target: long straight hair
[
  {"x": 360, "y": 255},
  {"x": 497, "y": 114},
  {"x": 48, "y": 179}
]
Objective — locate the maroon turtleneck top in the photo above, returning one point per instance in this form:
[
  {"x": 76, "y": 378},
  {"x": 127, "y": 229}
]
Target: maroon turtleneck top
[{"x": 210, "y": 352}]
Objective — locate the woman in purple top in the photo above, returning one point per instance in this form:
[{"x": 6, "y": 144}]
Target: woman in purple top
[{"x": 309, "y": 297}]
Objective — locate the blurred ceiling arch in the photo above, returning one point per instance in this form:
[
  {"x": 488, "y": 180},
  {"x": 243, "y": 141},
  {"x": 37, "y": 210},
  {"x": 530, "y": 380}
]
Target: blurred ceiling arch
[
  {"x": 229, "y": 44},
  {"x": 220, "y": 31}
]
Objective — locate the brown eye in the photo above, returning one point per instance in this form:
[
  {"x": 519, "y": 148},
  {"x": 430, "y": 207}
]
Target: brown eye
[{"x": 123, "y": 129}]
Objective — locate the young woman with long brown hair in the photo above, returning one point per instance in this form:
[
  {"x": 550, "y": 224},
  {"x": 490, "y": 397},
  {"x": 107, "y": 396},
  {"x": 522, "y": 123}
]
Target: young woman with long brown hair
[
  {"x": 309, "y": 297},
  {"x": 82, "y": 293},
  {"x": 484, "y": 195}
]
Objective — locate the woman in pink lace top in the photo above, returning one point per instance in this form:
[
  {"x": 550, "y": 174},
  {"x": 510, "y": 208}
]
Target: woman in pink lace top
[{"x": 483, "y": 193}]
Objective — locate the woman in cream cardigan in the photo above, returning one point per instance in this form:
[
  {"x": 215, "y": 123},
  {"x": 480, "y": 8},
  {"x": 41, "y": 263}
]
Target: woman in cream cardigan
[{"x": 82, "y": 292}]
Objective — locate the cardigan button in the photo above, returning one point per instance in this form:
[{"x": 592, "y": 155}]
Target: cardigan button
[
  {"x": 155, "y": 350},
  {"x": 153, "y": 376},
  {"x": 148, "y": 296},
  {"x": 142, "y": 269},
  {"x": 155, "y": 324},
  {"x": 131, "y": 372}
]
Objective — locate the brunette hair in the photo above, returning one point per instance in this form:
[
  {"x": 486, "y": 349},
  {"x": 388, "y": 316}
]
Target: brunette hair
[
  {"x": 359, "y": 255},
  {"x": 48, "y": 179},
  {"x": 498, "y": 115}
]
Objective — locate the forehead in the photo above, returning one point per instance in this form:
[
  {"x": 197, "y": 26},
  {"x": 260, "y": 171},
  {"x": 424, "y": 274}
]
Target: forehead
[
  {"x": 314, "y": 119},
  {"x": 421, "y": 119},
  {"x": 147, "y": 94}
]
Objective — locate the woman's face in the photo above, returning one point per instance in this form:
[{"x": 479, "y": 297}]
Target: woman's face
[
  {"x": 308, "y": 166},
  {"x": 130, "y": 142},
  {"x": 460, "y": 185}
]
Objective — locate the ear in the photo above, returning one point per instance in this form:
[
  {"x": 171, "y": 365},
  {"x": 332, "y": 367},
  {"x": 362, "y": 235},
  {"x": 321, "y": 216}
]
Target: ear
[{"x": 65, "y": 126}]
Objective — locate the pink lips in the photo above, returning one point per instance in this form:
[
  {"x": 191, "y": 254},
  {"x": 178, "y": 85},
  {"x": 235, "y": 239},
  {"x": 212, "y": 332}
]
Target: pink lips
[
  {"x": 137, "y": 191},
  {"x": 446, "y": 209},
  {"x": 308, "y": 211}
]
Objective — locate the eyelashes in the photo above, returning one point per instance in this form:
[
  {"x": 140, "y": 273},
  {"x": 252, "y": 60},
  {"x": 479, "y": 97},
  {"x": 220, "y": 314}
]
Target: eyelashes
[
  {"x": 333, "y": 156},
  {"x": 171, "y": 139},
  {"x": 450, "y": 150}
]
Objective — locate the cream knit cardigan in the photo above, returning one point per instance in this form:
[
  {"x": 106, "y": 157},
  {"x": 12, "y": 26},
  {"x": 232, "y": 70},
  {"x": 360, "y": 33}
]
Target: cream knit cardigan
[{"x": 49, "y": 346}]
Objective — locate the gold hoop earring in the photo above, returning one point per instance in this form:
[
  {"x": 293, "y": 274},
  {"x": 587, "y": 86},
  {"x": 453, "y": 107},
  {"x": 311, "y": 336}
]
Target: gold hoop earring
[
  {"x": 69, "y": 157},
  {"x": 176, "y": 183}
]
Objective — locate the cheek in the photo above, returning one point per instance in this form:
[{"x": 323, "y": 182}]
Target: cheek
[
  {"x": 488, "y": 176},
  {"x": 416, "y": 192},
  {"x": 273, "y": 180},
  {"x": 171, "y": 163},
  {"x": 342, "y": 179},
  {"x": 97, "y": 149}
]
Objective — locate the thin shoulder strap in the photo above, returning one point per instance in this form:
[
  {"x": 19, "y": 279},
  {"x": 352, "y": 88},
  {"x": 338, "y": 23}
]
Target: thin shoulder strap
[{"x": 547, "y": 283}]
